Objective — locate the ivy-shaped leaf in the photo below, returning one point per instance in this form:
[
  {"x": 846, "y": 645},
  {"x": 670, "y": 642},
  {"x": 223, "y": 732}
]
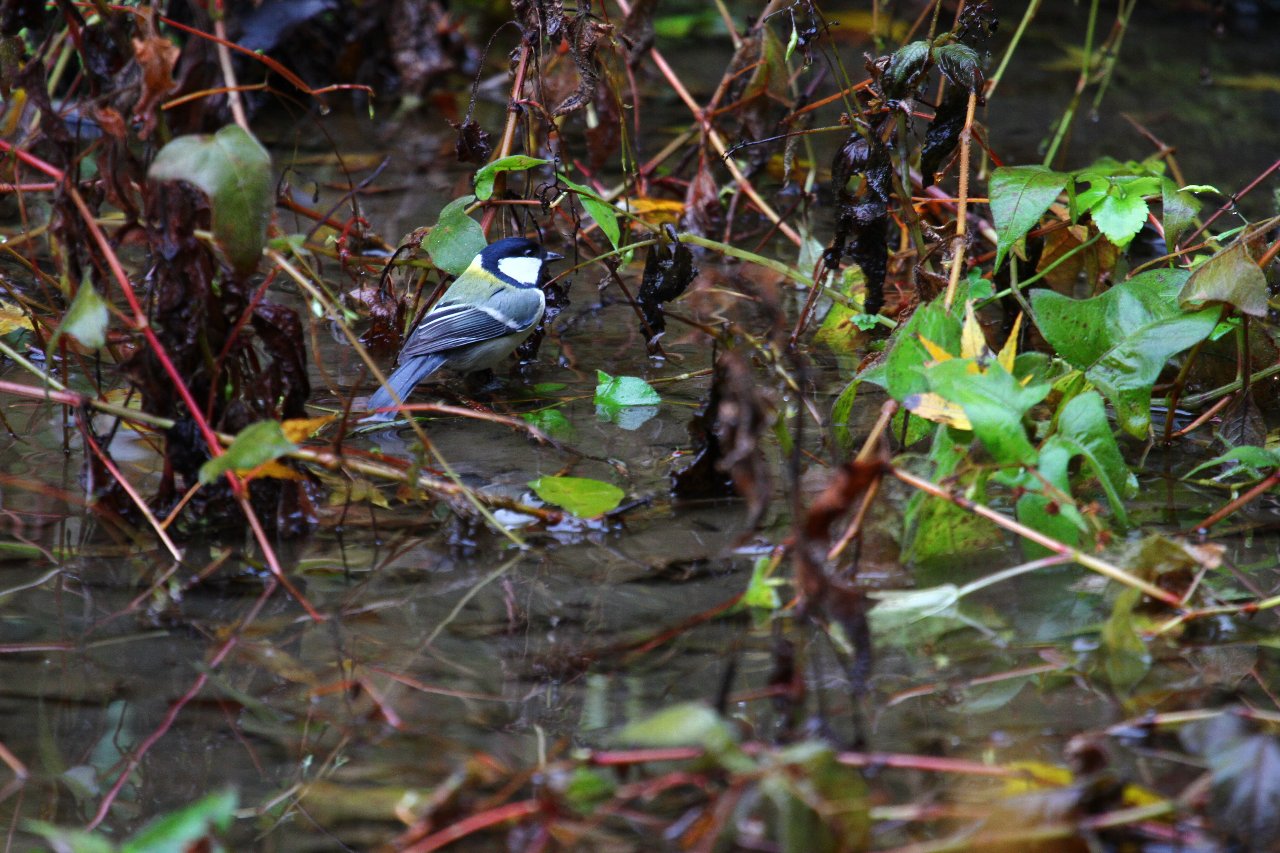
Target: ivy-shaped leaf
[{"x": 86, "y": 319}]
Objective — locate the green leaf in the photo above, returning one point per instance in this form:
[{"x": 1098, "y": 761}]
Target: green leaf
[
  {"x": 936, "y": 528},
  {"x": 906, "y": 66},
  {"x": 582, "y": 496},
  {"x": 762, "y": 590},
  {"x": 598, "y": 209},
  {"x": 456, "y": 238},
  {"x": 587, "y": 789},
  {"x": 689, "y": 724},
  {"x": 904, "y": 365},
  {"x": 1083, "y": 429},
  {"x": 1120, "y": 215},
  {"x": 624, "y": 391},
  {"x": 1123, "y": 338},
  {"x": 1180, "y": 209},
  {"x": 995, "y": 403},
  {"x": 255, "y": 445},
  {"x": 234, "y": 171},
  {"x": 1020, "y": 195},
  {"x": 486, "y": 175},
  {"x": 69, "y": 840},
  {"x": 1230, "y": 276},
  {"x": 907, "y": 618},
  {"x": 961, "y": 64},
  {"x": 792, "y": 43},
  {"x": 841, "y": 412},
  {"x": 86, "y": 320},
  {"x": 185, "y": 828},
  {"x": 1251, "y": 463}
]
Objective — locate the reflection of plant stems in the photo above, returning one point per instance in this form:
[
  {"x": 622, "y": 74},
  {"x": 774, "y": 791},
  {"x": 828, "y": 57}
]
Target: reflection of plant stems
[
  {"x": 1032, "y": 8},
  {"x": 1064, "y": 123},
  {"x": 1113, "y": 50}
]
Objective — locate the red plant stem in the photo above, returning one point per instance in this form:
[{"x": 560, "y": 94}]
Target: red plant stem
[
  {"x": 1265, "y": 485},
  {"x": 1230, "y": 203},
  {"x": 143, "y": 324},
  {"x": 167, "y": 723},
  {"x": 457, "y": 831}
]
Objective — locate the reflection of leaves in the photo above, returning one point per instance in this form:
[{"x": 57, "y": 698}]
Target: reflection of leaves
[
  {"x": 1125, "y": 658},
  {"x": 667, "y": 273},
  {"x": 234, "y": 171},
  {"x": 1246, "y": 778},
  {"x": 627, "y": 401},
  {"x": 582, "y": 496},
  {"x": 1123, "y": 338}
]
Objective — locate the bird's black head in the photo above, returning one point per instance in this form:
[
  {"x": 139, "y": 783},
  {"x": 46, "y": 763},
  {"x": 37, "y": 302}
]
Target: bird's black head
[{"x": 517, "y": 260}]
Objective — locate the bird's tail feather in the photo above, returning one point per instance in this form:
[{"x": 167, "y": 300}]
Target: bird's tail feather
[{"x": 402, "y": 380}]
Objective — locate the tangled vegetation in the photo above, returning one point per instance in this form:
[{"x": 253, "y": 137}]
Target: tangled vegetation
[{"x": 888, "y": 377}]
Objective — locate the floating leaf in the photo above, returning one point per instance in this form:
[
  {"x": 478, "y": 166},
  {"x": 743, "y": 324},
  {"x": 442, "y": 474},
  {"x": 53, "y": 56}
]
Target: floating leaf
[
  {"x": 1123, "y": 338},
  {"x": 1230, "y": 276},
  {"x": 624, "y": 391},
  {"x": 1125, "y": 658},
  {"x": 582, "y": 496},
  {"x": 234, "y": 171},
  {"x": 551, "y": 421},
  {"x": 456, "y": 238},
  {"x": 489, "y": 173},
  {"x": 86, "y": 319},
  {"x": 1252, "y": 463},
  {"x": 298, "y": 429},
  {"x": 255, "y": 445},
  {"x": 13, "y": 318},
  {"x": 1020, "y": 195}
]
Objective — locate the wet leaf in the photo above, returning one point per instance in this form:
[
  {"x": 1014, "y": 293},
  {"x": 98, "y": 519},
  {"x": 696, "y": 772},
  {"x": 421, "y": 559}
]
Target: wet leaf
[
  {"x": 1250, "y": 463},
  {"x": 689, "y": 724},
  {"x": 1120, "y": 215},
  {"x": 582, "y": 496},
  {"x": 936, "y": 528},
  {"x": 910, "y": 617},
  {"x": 1180, "y": 209},
  {"x": 488, "y": 174},
  {"x": 905, "y": 70},
  {"x": 961, "y": 64},
  {"x": 254, "y": 445},
  {"x": 994, "y": 402},
  {"x": 551, "y": 421},
  {"x": 905, "y": 364},
  {"x": 300, "y": 429},
  {"x": 762, "y": 589},
  {"x": 1230, "y": 277},
  {"x": 600, "y": 211},
  {"x": 624, "y": 391},
  {"x": 668, "y": 272},
  {"x": 1020, "y": 195},
  {"x": 86, "y": 320},
  {"x": 841, "y": 413},
  {"x": 13, "y": 318},
  {"x": 234, "y": 171},
  {"x": 1123, "y": 338},
  {"x": 456, "y": 238},
  {"x": 473, "y": 144},
  {"x": 587, "y": 789},
  {"x": 1083, "y": 429}
]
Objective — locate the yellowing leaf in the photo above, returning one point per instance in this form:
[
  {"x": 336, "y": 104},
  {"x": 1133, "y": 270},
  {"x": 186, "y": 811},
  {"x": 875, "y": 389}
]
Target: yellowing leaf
[
  {"x": 13, "y": 318},
  {"x": 933, "y": 407},
  {"x": 1037, "y": 775},
  {"x": 938, "y": 353},
  {"x": 299, "y": 428},
  {"x": 273, "y": 469},
  {"x": 1009, "y": 351},
  {"x": 656, "y": 211},
  {"x": 973, "y": 343}
]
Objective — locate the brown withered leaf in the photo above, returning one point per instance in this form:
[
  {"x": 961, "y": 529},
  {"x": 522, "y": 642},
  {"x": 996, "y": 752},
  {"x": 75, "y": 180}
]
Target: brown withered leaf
[
  {"x": 386, "y": 317},
  {"x": 539, "y": 18},
  {"x": 702, "y": 213},
  {"x": 157, "y": 57},
  {"x": 637, "y": 30},
  {"x": 584, "y": 34},
  {"x": 667, "y": 274},
  {"x": 473, "y": 144}
]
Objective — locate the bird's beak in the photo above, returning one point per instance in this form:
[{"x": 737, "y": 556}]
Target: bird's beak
[{"x": 549, "y": 257}]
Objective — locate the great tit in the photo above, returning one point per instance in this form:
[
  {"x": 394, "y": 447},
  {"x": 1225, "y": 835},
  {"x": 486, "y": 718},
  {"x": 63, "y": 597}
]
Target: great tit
[{"x": 484, "y": 315}]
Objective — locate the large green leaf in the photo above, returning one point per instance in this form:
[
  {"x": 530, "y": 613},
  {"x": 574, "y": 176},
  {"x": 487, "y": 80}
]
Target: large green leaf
[
  {"x": 1230, "y": 276},
  {"x": 486, "y": 175},
  {"x": 1123, "y": 338},
  {"x": 582, "y": 496},
  {"x": 903, "y": 373},
  {"x": 234, "y": 171},
  {"x": 1083, "y": 430},
  {"x": 456, "y": 238},
  {"x": 994, "y": 402},
  {"x": 1019, "y": 197}
]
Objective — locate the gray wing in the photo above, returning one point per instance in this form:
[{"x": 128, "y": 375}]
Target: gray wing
[{"x": 452, "y": 326}]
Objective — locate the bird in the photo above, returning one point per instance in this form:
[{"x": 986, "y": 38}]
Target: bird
[{"x": 484, "y": 315}]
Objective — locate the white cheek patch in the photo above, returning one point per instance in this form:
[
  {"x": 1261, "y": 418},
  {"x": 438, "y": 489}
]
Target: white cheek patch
[{"x": 523, "y": 270}]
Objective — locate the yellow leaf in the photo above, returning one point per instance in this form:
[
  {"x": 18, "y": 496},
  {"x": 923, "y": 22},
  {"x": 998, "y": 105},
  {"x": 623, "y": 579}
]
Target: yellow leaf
[
  {"x": 1009, "y": 351},
  {"x": 273, "y": 469},
  {"x": 973, "y": 343},
  {"x": 13, "y": 318},
  {"x": 933, "y": 407},
  {"x": 938, "y": 353},
  {"x": 299, "y": 428},
  {"x": 357, "y": 491},
  {"x": 655, "y": 211},
  {"x": 1037, "y": 775}
]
